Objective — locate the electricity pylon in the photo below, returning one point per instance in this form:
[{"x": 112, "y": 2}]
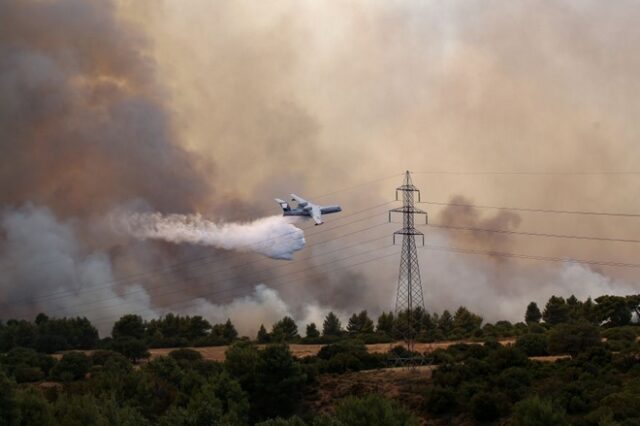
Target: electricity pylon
[{"x": 409, "y": 296}]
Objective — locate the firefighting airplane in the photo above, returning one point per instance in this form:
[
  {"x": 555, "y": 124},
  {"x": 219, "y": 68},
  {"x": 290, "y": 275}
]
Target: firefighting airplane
[{"x": 305, "y": 208}]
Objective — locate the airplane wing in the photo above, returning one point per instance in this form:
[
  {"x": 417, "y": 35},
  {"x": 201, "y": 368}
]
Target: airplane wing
[
  {"x": 316, "y": 214},
  {"x": 301, "y": 201}
]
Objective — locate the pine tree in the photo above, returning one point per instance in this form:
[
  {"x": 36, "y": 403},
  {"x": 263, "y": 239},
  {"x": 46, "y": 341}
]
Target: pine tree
[
  {"x": 466, "y": 320},
  {"x": 360, "y": 324},
  {"x": 312, "y": 331},
  {"x": 556, "y": 311},
  {"x": 285, "y": 329},
  {"x": 533, "y": 314},
  {"x": 385, "y": 323},
  {"x": 445, "y": 323},
  {"x": 263, "y": 335},
  {"x": 331, "y": 325}
]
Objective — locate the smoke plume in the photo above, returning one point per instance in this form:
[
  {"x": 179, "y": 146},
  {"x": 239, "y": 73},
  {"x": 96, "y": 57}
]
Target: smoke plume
[
  {"x": 218, "y": 107},
  {"x": 273, "y": 236}
]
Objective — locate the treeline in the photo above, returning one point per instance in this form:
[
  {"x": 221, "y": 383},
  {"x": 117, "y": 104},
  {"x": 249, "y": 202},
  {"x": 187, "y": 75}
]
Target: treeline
[
  {"x": 132, "y": 335},
  {"x": 48, "y": 335},
  {"x": 608, "y": 311}
]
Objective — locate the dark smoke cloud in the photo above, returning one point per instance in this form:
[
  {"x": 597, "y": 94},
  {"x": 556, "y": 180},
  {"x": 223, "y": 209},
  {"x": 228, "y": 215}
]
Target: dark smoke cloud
[
  {"x": 461, "y": 214},
  {"x": 217, "y": 107},
  {"x": 81, "y": 119}
]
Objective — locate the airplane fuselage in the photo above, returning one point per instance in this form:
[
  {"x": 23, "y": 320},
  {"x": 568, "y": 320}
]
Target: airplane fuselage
[
  {"x": 306, "y": 211},
  {"x": 305, "y": 208}
]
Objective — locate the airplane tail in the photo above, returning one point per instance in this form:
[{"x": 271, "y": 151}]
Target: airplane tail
[{"x": 283, "y": 204}]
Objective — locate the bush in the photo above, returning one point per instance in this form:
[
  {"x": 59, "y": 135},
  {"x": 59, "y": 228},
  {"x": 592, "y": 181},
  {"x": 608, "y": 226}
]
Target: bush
[
  {"x": 26, "y": 365},
  {"x": 440, "y": 400},
  {"x": 24, "y": 373},
  {"x": 373, "y": 410},
  {"x": 344, "y": 346},
  {"x": 134, "y": 349},
  {"x": 620, "y": 338},
  {"x": 507, "y": 357},
  {"x": 573, "y": 338},
  {"x": 533, "y": 344},
  {"x": 537, "y": 412},
  {"x": 488, "y": 406},
  {"x": 72, "y": 366}
]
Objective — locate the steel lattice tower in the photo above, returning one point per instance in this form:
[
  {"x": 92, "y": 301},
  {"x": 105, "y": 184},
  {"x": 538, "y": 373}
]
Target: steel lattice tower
[{"x": 409, "y": 292}]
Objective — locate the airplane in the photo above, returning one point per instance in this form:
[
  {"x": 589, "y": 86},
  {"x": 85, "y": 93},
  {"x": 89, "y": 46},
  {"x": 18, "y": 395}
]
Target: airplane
[{"x": 305, "y": 208}]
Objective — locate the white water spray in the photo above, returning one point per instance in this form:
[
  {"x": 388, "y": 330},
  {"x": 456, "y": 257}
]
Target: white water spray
[{"x": 274, "y": 236}]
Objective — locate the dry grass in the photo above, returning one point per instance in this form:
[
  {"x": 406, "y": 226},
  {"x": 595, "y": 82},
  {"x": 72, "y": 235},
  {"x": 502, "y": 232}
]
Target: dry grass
[{"x": 216, "y": 353}]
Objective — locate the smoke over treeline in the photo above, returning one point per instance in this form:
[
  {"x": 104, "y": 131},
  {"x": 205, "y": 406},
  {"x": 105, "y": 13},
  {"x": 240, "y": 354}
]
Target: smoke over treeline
[{"x": 216, "y": 108}]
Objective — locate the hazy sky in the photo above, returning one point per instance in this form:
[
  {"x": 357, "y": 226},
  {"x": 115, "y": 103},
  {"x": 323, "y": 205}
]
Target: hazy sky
[{"x": 217, "y": 107}]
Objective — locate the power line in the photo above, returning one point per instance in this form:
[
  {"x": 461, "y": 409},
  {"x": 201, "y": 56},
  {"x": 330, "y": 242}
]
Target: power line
[
  {"x": 532, "y": 257},
  {"x": 534, "y": 210},
  {"x": 533, "y": 234},
  {"x": 531, "y": 173}
]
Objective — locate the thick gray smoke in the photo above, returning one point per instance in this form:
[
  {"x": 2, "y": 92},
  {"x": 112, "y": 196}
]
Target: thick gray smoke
[
  {"x": 275, "y": 236},
  {"x": 110, "y": 103}
]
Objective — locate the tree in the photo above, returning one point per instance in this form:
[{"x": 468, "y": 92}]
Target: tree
[
  {"x": 8, "y": 410},
  {"x": 331, "y": 325},
  {"x": 573, "y": 338},
  {"x": 219, "y": 401},
  {"x": 360, "y": 324},
  {"x": 33, "y": 408},
  {"x": 533, "y": 344},
  {"x": 129, "y": 326},
  {"x": 487, "y": 406},
  {"x": 312, "y": 331},
  {"x": 533, "y": 314},
  {"x": 134, "y": 349},
  {"x": 535, "y": 411},
  {"x": 634, "y": 303},
  {"x": 614, "y": 311},
  {"x": 226, "y": 332},
  {"x": 445, "y": 323},
  {"x": 41, "y": 318},
  {"x": 556, "y": 311},
  {"x": 466, "y": 320},
  {"x": 196, "y": 327},
  {"x": 263, "y": 335},
  {"x": 385, "y": 323},
  {"x": 285, "y": 330},
  {"x": 241, "y": 361},
  {"x": 278, "y": 383}
]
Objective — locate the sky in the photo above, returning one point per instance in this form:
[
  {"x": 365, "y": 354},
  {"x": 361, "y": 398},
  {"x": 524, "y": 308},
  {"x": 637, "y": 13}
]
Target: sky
[{"x": 216, "y": 108}]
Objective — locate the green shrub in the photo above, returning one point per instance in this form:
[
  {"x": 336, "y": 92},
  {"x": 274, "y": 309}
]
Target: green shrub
[
  {"x": 534, "y": 411},
  {"x": 373, "y": 410},
  {"x": 488, "y": 406},
  {"x": 533, "y": 344},
  {"x": 573, "y": 338},
  {"x": 72, "y": 366},
  {"x": 440, "y": 400}
]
